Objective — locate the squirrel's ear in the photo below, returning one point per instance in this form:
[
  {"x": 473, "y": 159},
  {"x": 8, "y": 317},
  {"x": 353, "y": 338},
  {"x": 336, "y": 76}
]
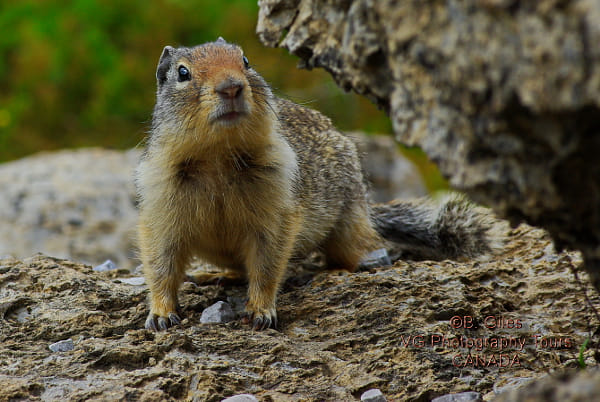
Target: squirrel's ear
[
  {"x": 221, "y": 41},
  {"x": 164, "y": 64}
]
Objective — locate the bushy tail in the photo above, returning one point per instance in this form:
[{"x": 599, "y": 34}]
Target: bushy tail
[{"x": 452, "y": 228}]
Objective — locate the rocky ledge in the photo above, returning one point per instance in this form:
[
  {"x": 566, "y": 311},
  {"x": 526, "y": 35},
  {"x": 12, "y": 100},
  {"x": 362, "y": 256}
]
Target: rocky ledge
[
  {"x": 503, "y": 95},
  {"x": 415, "y": 331}
]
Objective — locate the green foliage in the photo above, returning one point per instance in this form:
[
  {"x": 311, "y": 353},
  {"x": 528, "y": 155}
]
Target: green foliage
[
  {"x": 434, "y": 181},
  {"x": 81, "y": 72},
  {"x": 582, "y": 349}
]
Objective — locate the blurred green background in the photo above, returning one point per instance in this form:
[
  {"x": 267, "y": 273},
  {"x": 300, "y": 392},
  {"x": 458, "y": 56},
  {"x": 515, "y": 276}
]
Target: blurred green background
[{"x": 81, "y": 72}]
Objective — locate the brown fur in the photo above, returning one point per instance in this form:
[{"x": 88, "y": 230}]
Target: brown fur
[
  {"x": 247, "y": 191},
  {"x": 245, "y": 196}
]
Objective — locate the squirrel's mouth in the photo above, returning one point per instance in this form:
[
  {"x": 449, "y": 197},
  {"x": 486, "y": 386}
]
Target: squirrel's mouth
[{"x": 228, "y": 114}]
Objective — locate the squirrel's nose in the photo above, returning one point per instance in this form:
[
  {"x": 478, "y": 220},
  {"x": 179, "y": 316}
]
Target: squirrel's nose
[{"x": 229, "y": 89}]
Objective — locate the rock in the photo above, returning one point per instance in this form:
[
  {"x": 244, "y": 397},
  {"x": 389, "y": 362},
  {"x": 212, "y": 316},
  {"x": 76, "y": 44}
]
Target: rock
[
  {"x": 70, "y": 204},
  {"x": 572, "y": 385},
  {"x": 62, "y": 346},
  {"x": 373, "y": 395},
  {"x": 503, "y": 96},
  {"x": 345, "y": 332},
  {"x": 388, "y": 172},
  {"x": 377, "y": 258},
  {"x": 218, "y": 313},
  {"x": 241, "y": 398},
  {"x": 510, "y": 384},
  {"x": 107, "y": 265},
  {"x": 134, "y": 281},
  {"x": 460, "y": 397}
]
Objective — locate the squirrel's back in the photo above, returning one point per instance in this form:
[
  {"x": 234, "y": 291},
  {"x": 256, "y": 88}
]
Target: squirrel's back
[{"x": 330, "y": 183}]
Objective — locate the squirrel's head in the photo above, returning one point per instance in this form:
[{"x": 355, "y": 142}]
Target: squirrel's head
[{"x": 210, "y": 88}]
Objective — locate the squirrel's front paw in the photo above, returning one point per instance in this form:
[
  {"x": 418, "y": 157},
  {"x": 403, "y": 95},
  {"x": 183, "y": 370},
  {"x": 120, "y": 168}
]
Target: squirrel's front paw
[
  {"x": 260, "y": 320},
  {"x": 155, "y": 322}
]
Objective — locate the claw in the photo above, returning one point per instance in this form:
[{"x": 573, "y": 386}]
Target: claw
[
  {"x": 151, "y": 323},
  {"x": 156, "y": 323},
  {"x": 174, "y": 318},
  {"x": 260, "y": 322},
  {"x": 162, "y": 324},
  {"x": 264, "y": 322}
]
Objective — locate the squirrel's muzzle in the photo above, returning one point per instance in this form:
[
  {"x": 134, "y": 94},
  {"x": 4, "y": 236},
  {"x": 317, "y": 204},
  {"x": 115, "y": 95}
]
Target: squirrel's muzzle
[
  {"x": 231, "y": 104},
  {"x": 229, "y": 89}
]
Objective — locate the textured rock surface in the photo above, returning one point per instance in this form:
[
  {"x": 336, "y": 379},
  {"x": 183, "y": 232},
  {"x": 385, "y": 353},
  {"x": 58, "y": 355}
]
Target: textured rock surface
[
  {"x": 70, "y": 204},
  {"x": 503, "y": 95},
  {"x": 341, "y": 334},
  {"x": 558, "y": 387},
  {"x": 81, "y": 204}
]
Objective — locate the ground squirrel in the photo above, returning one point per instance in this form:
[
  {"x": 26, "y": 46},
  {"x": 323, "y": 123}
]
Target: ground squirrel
[{"x": 245, "y": 180}]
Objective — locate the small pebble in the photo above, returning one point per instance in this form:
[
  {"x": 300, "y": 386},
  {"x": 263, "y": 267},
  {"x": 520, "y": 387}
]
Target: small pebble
[
  {"x": 135, "y": 281},
  {"x": 241, "y": 398},
  {"x": 219, "y": 312},
  {"x": 62, "y": 346},
  {"x": 470, "y": 396},
  {"x": 373, "y": 395},
  {"x": 138, "y": 270},
  {"x": 377, "y": 258},
  {"x": 107, "y": 265},
  {"x": 511, "y": 383}
]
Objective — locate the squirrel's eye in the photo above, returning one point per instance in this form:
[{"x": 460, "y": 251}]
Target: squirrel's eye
[
  {"x": 246, "y": 62},
  {"x": 184, "y": 74}
]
